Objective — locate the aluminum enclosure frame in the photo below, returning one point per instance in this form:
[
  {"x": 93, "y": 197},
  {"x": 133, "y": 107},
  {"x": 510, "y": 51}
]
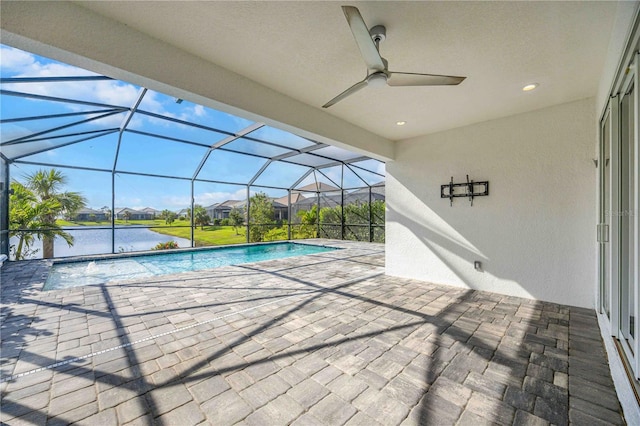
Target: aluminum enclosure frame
[{"x": 317, "y": 164}]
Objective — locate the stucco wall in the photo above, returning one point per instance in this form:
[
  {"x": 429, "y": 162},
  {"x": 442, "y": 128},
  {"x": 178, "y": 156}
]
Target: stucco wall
[{"x": 533, "y": 234}]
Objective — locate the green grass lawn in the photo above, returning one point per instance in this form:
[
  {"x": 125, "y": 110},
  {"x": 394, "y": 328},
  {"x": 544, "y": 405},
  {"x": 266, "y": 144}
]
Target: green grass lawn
[
  {"x": 210, "y": 235},
  {"x": 120, "y": 222}
]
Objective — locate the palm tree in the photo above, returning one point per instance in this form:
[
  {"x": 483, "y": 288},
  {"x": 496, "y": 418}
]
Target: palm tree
[
  {"x": 107, "y": 213},
  {"x": 46, "y": 186},
  {"x": 200, "y": 216},
  {"x": 308, "y": 220},
  {"x": 168, "y": 216},
  {"x": 23, "y": 219},
  {"x": 237, "y": 219},
  {"x": 26, "y": 215}
]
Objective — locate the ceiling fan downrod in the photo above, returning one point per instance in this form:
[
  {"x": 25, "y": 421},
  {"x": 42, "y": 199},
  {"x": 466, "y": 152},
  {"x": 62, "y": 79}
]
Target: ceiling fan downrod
[{"x": 378, "y": 34}]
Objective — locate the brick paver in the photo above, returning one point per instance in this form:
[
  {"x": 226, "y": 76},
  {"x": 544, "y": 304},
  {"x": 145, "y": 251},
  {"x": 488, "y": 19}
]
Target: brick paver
[{"x": 325, "y": 339}]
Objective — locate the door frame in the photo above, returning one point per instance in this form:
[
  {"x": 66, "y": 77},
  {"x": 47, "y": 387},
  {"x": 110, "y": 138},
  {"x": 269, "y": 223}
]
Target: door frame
[{"x": 613, "y": 210}]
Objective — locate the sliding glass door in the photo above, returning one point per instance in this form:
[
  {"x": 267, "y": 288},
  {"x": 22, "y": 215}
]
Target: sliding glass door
[
  {"x": 618, "y": 245},
  {"x": 627, "y": 215}
]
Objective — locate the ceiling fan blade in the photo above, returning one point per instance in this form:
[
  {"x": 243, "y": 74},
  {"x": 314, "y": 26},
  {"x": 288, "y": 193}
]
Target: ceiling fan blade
[
  {"x": 350, "y": 91},
  {"x": 411, "y": 79},
  {"x": 364, "y": 41}
]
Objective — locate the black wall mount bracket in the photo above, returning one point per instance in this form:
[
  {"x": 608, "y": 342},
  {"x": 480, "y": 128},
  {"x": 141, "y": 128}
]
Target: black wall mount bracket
[{"x": 469, "y": 189}]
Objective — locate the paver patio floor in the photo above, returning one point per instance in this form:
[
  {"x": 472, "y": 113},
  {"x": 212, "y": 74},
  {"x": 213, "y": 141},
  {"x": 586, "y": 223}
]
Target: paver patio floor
[{"x": 325, "y": 339}]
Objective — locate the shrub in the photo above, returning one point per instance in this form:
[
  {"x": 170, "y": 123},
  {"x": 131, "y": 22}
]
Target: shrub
[
  {"x": 275, "y": 234},
  {"x": 217, "y": 222},
  {"x": 166, "y": 246}
]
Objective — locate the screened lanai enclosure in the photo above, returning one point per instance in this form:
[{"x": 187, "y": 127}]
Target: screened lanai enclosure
[{"x": 93, "y": 165}]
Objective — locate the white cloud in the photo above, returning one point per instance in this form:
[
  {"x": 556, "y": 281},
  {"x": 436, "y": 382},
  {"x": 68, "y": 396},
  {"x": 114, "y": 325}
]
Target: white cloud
[
  {"x": 173, "y": 201},
  {"x": 113, "y": 93},
  {"x": 151, "y": 103},
  {"x": 24, "y": 64},
  {"x": 18, "y": 63},
  {"x": 110, "y": 92},
  {"x": 208, "y": 198},
  {"x": 13, "y": 59},
  {"x": 12, "y": 131},
  {"x": 199, "y": 111},
  {"x": 127, "y": 202},
  {"x": 110, "y": 121}
]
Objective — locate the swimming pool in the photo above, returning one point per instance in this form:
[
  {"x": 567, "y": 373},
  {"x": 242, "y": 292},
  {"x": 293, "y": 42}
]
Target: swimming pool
[{"x": 82, "y": 273}]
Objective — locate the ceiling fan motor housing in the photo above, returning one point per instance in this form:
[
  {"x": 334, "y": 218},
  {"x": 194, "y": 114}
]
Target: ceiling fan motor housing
[
  {"x": 378, "y": 33},
  {"x": 378, "y": 79}
]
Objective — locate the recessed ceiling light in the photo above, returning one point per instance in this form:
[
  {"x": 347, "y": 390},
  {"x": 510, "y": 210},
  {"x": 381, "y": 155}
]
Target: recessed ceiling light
[
  {"x": 530, "y": 87},
  {"x": 401, "y": 123}
]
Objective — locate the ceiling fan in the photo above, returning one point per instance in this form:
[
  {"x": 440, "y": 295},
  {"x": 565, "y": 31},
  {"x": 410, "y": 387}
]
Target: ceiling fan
[{"x": 378, "y": 73}]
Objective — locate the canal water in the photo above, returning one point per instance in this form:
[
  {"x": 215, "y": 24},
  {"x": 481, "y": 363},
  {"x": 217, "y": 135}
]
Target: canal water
[{"x": 88, "y": 240}]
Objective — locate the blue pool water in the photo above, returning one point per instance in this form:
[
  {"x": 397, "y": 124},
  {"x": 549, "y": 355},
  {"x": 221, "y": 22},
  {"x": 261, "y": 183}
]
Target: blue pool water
[{"x": 74, "y": 274}]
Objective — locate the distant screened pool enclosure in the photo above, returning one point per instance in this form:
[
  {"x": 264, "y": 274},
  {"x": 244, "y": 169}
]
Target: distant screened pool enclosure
[{"x": 93, "y": 165}]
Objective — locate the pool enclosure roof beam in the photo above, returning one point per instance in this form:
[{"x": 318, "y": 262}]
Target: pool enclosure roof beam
[
  {"x": 66, "y": 135},
  {"x": 366, "y": 170},
  {"x": 124, "y": 172},
  {"x": 340, "y": 162},
  {"x": 93, "y": 136},
  {"x": 133, "y": 110},
  {"x": 169, "y": 138},
  {"x": 26, "y": 138},
  {"x": 183, "y": 122},
  {"x": 68, "y": 114},
  {"x": 104, "y": 110},
  {"x": 262, "y": 169},
  {"x": 303, "y": 177},
  {"x": 56, "y": 99},
  {"x": 125, "y": 123},
  {"x": 359, "y": 177},
  {"x": 63, "y": 166},
  {"x": 282, "y": 157},
  {"x": 54, "y": 79},
  {"x": 219, "y": 144},
  {"x": 332, "y": 181},
  {"x": 295, "y": 152},
  {"x": 188, "y": 142},
  {"x": 350, "y": 163},
  {"x": 241, "y": 133},
  {"x": 277, "y": 145}
]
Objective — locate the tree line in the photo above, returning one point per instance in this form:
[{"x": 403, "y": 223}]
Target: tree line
[{"x": 329, "y": 221}]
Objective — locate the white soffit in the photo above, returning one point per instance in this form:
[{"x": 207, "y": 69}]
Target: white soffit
[{"x": 306, "y": 51}]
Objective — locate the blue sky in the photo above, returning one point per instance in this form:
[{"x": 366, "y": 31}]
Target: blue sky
[{"x": 140, "y": 153}]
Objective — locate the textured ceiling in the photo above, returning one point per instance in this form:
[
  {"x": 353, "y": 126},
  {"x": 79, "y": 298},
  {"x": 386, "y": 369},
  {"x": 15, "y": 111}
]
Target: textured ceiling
[{"x": 306, "y": 51}]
